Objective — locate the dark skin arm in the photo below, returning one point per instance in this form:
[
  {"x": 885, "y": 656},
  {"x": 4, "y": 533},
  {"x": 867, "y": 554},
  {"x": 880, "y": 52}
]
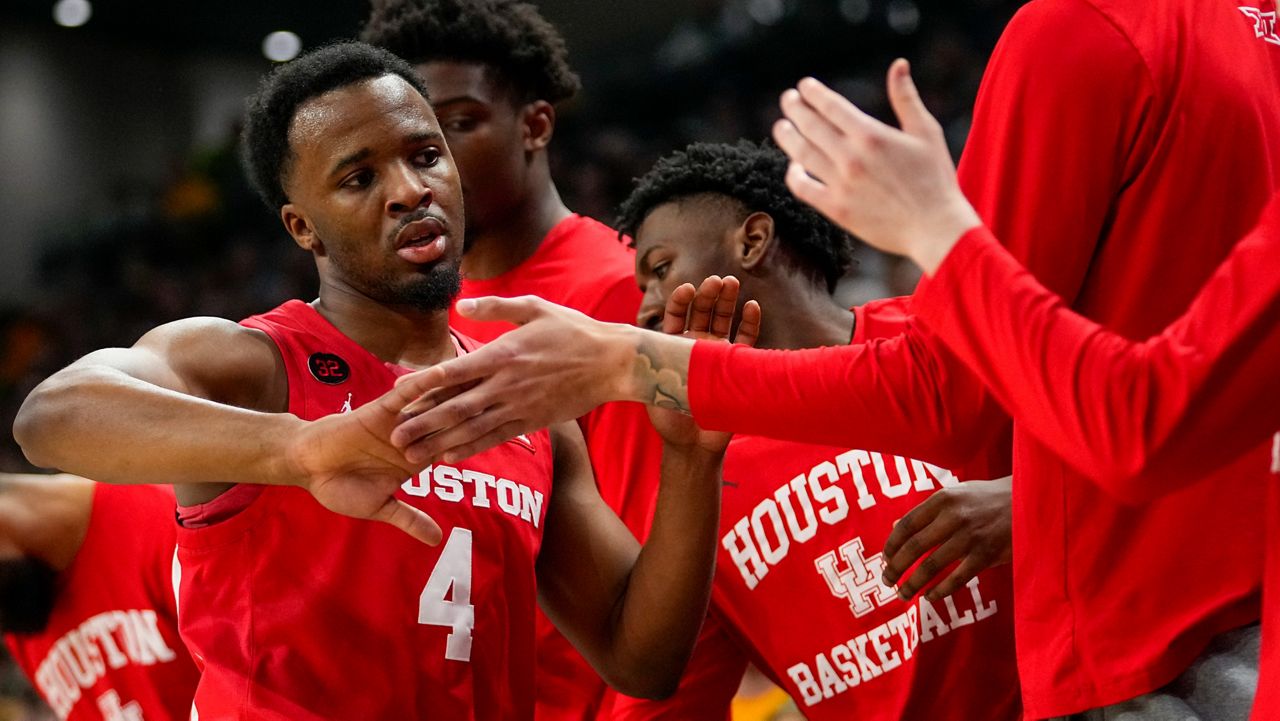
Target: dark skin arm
[
  {"x": 202, "y": 400},
  {"x": 634, "y": 612}
]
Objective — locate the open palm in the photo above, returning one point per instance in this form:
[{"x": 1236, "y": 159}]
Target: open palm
[{"x": 704, "y": 313}]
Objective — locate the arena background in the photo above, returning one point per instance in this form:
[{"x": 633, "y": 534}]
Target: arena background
[{"x": 122, "y": 205}]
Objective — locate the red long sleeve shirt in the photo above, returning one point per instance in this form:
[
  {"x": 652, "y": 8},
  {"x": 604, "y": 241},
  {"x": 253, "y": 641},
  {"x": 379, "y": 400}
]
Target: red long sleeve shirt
[
  {"x": 1129, "y": 415},
  {"x": 1119, "y": 149}
]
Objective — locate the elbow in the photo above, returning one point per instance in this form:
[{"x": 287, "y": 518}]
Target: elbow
[
  {"x": 1128, "y": 476},
  {"x": 650, "y": 682},
  {"x": 34, "y": 428}
]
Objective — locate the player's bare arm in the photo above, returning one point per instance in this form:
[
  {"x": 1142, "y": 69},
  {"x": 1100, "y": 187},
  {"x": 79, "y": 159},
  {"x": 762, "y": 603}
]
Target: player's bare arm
[
  {"x": 201, "y": 402},
  {"x": 971, "y": 523},
  {"x": 191, "y": 400},
  {"x": 525, "y": 380},
  {"x": 633, "y": 612}
]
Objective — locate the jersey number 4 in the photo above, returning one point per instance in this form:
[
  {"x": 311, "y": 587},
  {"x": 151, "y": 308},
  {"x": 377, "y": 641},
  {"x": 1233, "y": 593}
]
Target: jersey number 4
[{"x": 438, "y": 607}]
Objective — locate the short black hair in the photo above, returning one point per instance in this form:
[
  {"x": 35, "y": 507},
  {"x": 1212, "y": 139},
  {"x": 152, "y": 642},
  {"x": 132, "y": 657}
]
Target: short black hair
[
  {"x": 753, "y": 174},
  {"x": 264, "y": 143},
  {"x": 507, "y": 36}
]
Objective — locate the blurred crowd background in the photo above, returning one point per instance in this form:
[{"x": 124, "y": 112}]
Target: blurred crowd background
[{"x": 122, "y": 205}]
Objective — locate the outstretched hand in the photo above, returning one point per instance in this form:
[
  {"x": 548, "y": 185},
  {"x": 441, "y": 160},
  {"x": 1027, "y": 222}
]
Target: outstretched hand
[
  {"x": 895, "y": 189},
  {"x": 971, "y": 523},
  {"x": 555, "y": 367},
  {"x": 347, "y": 462},
  {"x": 704, "y": 313}
]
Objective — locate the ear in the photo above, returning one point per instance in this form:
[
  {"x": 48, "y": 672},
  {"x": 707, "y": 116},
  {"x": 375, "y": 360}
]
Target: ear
[
  {"x": 300, "y": 228},
  {"x": 755, "y": 240},
  {"x": 538, "y": 123}
]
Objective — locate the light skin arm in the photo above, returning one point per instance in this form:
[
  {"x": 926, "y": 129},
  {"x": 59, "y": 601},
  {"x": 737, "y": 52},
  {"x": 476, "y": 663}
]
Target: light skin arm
[
  {"x": 200, "y": 401},
  {"x": 633, "y": 611},
  {"x": 897, "y": 189},
  {"x": 1130, "y": 415},
  {"x": 526, "y": 380}
]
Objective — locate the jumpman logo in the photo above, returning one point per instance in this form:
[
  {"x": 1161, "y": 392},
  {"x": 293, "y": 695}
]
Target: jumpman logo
[{"x": 346, "y": 407}]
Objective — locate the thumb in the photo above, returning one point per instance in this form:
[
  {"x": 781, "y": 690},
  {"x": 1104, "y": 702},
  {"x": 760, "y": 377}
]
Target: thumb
[
  {"x": 412, "y": 521},
  {"x": 519, "y": 310},
  {"x": 905, "y": 99}
]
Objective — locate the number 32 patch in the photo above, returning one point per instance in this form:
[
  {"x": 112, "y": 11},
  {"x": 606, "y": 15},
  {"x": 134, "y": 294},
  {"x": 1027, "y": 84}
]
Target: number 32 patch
[{"x": 328, "y": 368}]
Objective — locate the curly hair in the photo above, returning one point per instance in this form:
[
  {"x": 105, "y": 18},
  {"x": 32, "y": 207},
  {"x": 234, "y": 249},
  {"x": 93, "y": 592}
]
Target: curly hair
[
  {"x": 264, "y": 142},
  {"x": 754, "y": 175},
  {"x": 508, "y": 36}
]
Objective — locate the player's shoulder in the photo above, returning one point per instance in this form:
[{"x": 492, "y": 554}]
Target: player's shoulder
[
  {"x": 200, "y": 332},
  {"x": 1137, "y": 24},
  {"x": 220, "y": 360}
]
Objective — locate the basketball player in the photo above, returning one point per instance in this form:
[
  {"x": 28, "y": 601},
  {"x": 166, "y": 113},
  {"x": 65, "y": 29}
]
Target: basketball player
[
  {"x": 87, "y": 600},
  {"x": 1126, "y": 414},
  {"x": 1103, "y": 130},
  {"x": 295, "y": 612},
  {"x": 496, "y": 70},
  {"x": 802, "y": 597}
]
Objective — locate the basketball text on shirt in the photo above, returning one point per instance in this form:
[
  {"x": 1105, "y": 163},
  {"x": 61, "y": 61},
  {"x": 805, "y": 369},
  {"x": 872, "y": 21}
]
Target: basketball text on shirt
[
  {"x": 886, "y": 647},
  {"x": 762, "y": 539}
]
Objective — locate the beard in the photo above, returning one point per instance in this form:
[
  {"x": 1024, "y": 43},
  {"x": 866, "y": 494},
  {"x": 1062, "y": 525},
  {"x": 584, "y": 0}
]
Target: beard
[
  {"x": 427, "y": 292},
  {"x": 28, "y": 589},
  {"x": 432, "y": 288}
]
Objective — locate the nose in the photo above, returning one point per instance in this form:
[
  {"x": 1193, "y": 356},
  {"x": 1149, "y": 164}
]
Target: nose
[
  {"x": 407, "y": 190},
  {"x": 650, "y": 313}
]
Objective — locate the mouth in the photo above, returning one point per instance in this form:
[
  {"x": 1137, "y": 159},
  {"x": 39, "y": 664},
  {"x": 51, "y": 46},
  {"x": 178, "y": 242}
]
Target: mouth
[{"x": 422, "y": 241}]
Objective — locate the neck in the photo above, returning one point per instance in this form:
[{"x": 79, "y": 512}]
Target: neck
[
  {"x": 504, "y": 243},
  {"x": 802, "y": 315},
  {"x": 393, "y": 334}
]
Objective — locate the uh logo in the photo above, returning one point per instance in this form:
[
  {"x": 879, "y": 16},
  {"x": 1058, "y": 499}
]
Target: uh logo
[{"x": 1264, "y": 23}]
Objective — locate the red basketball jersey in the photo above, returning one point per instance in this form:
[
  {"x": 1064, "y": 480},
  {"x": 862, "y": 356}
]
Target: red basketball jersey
[
  {"x": 797, "y": 589},
  {"x": 294, "y": 612},
  {"x": 111, "y": 651}
]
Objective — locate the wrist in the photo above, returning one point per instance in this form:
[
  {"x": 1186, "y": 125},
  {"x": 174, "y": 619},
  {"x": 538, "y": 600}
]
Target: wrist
[
  {"x": 625, "y": 343},
  {"x": 694, "y": 458},
  {"x": 934, "y": 242},
  {"x": 283, "y": 448}
]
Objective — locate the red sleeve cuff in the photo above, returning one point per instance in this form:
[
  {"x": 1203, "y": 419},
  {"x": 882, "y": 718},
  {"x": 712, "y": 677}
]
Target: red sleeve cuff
[
  {"x": 935, "y": 301},
  {"x": 705, "y": 364}
]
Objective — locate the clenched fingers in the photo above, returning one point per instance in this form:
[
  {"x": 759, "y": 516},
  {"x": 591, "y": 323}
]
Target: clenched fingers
[{"x": 952, "y": 549}]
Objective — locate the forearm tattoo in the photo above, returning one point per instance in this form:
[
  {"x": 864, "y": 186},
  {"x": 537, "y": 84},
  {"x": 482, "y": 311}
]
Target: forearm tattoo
[{"x": 661, "y": 372}]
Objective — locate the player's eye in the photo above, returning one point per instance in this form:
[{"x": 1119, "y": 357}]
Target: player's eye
[
  {"x": 427, "y": 158},
  {"x": 660, "y": 270},
  {"x": 459, "y": 124},
  {"x": 358, "y": 180}
]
